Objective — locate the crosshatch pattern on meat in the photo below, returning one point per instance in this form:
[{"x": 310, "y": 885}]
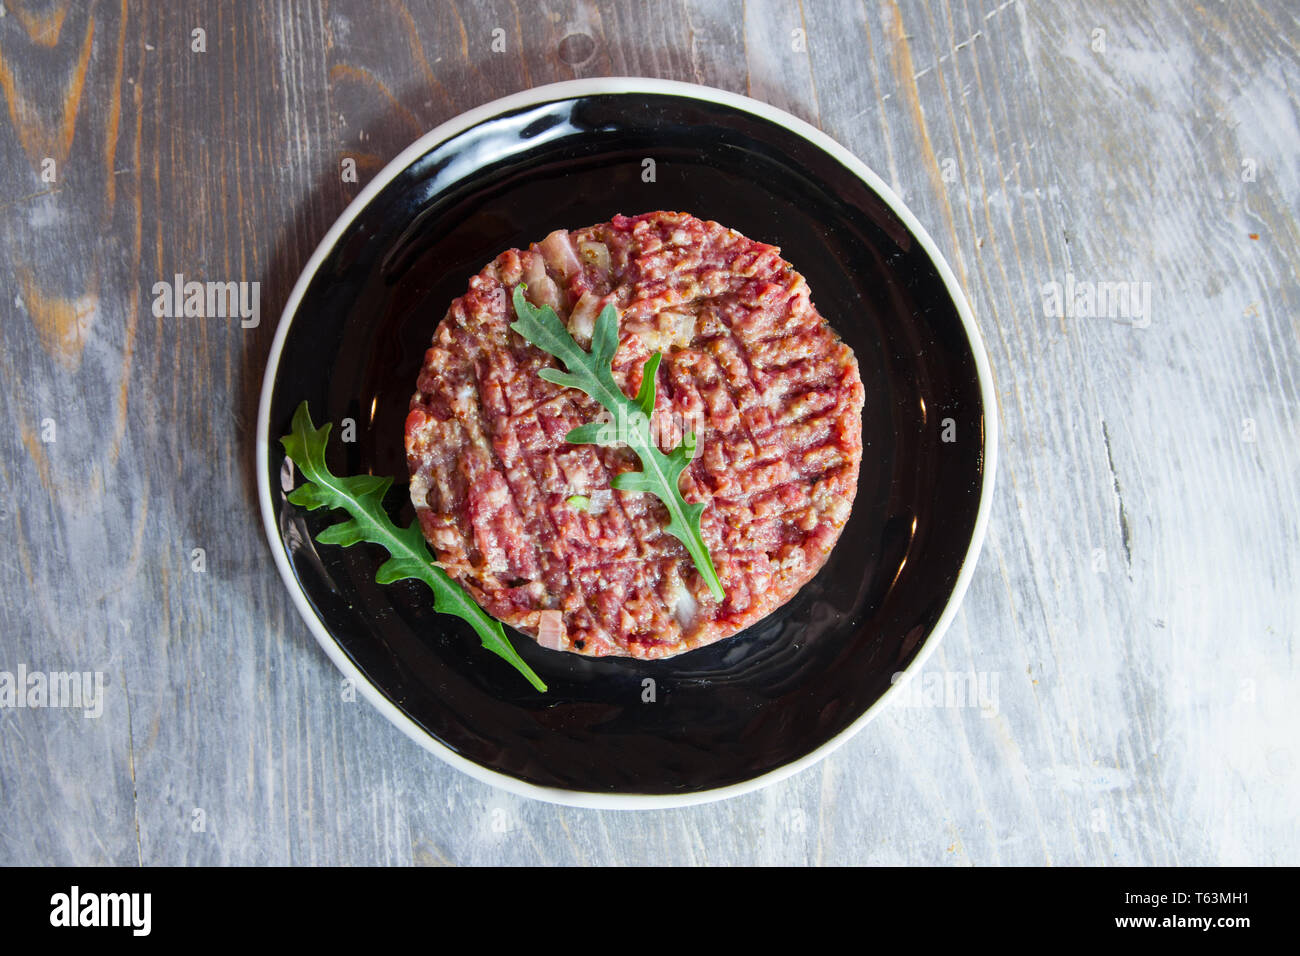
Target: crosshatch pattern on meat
[{"x": 774, "y": 396}]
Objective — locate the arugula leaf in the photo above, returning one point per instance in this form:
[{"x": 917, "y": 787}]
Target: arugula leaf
[
  {"x": 362, "y": 496},
  {"x": 592, "y": 373}
]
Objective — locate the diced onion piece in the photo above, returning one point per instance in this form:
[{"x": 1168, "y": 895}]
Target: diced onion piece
[
  {"x": 550, "y": 630},
  {"x": 595, "y": 254},
  {"x": 542, "y": 289},
  {"x": 599, "y": 501},
  {"x": 559, "y": 253},
  {"x": 679, "y": 326},
  {"x": 545, "y": 293},
  {"x": 534, "y": 270},
  {"x": 685, "y": 607},
  {"x": 582, "y": 320}
]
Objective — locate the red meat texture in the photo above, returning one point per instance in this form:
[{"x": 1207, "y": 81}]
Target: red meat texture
[{"x": 528, "y": 523}]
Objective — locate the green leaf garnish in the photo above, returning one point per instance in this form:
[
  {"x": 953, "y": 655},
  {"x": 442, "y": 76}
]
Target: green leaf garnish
[
  {"x": 578, "y": 502},
  {"x": 591, "y": 372},
  {"x": 362, "y": 496}
]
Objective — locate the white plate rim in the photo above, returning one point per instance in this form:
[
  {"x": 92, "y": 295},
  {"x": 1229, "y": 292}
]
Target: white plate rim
[{"x": 591, "y": 87}]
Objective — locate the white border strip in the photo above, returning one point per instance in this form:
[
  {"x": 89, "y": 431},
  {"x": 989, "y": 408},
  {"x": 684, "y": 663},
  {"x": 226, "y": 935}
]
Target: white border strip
[{"x": 592, "y": 87}]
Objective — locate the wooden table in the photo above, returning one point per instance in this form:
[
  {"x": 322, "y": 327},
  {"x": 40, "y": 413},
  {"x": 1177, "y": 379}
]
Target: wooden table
[{"x": 1133, "y": 616}]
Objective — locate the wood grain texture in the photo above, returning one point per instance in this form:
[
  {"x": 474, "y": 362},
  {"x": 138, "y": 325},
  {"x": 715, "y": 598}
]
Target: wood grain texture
[{"x": 1134, "y": 613}]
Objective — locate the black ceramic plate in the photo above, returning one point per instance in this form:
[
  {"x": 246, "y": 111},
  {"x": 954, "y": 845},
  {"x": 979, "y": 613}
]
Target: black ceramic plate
[{"x": 739, "y": 713}]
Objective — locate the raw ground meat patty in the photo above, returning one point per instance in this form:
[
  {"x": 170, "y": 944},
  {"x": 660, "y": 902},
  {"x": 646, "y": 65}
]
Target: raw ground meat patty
[{"x": 772, "y": 393}]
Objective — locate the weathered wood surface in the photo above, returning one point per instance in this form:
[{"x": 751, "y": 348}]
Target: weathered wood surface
[{"x": 1135, "y": 611}]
